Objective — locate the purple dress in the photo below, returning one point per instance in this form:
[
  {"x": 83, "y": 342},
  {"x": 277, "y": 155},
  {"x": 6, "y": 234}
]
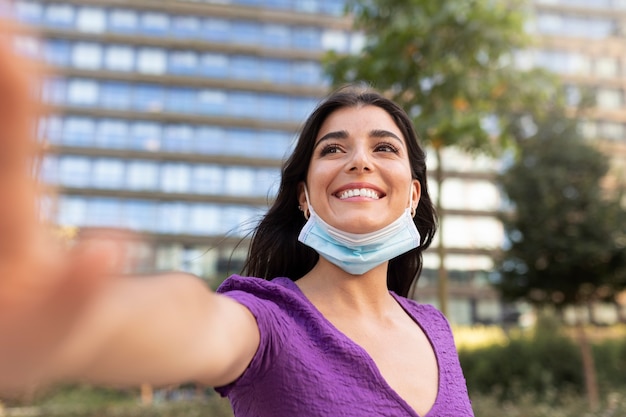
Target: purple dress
[{"x": 305, "y": 367}]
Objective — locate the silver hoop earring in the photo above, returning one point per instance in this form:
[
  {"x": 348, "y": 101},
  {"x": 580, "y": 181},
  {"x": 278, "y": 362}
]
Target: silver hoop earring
[{"x": 306, "y": 212}]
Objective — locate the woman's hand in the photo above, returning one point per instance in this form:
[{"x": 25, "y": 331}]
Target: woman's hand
[
  {"x": 67, "y": 311},
  {"x": 43, "y": 282}
]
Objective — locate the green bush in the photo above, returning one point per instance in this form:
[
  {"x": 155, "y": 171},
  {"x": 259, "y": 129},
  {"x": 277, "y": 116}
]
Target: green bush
[
  {"x": 610, "y": 360},
  {"x": 543, "y": 364},
  {"x": 536, "y": 364}
]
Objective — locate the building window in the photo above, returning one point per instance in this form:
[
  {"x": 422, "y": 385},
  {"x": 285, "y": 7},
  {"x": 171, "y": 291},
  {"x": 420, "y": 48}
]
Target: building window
[
  {"x": 204, "y": 219},
  {"x": 149, "y": 98},
  {"x": 54, "y": 91},
  {"x": 78, "y": 131},
  {"x": 49, "y": 170},
  {"x": 182, "y": 100},
  {"x": 57, "y": 52},
  {"x": 83, "y": 92},
  {"x": 51, "y": 129},
  {"x": 207, "y": 179},
  {"x": 151, "y": 61},
  {"x": 60, "y": 15},
  {"x": 307, "y": 73},
  {"x": 140, "y": 215},
  {"x": 276, "y": 71},
  {"x": 119, "y": 58},
  {"x": 72, "y": 211},
  {"x": 175, "y": 177},
  {"x": 105, "y": 212},
  {"x": 115, "y": 95},
  {"x": 183, "y": 62},
  {"x": 145, "y": 136},
  {"x": 91, "y": 19},
  {"x": 29, "y": 11},
  {"x": 112, "y": 134},
  {"x": 333, "y": 7},
  {"x": 606, "y": 66},
  {"x": 186, "y": 27},
  {"x": 244, "y": 67},
  {"x": 107, "y": 173},
  {"x": 74, "y": 171},
  {"x": 214, "y": 65},
  {"x": 243, "y": 104},
  {"x": 87, "y": 55},
  {"x": 142, "y": 175},
  {"x": 309, "y": 6},
  {"x": 172, "y": 217},
  {"x": 612, "y": 130},
  {"x": 306, "y": 38},
  {"x": 278, "y": 4},
  {"x": 217, "y": 30},
  {"x": 278, "y": 36},
  {"x": 241, "y": 142},
  {"x": 178, "y": 138},
  {"x": 211, "y": 102},
  {"x": 274, "y": 107},
  {"x": 239, "y": 181},
  {"x": 267, "y": 182},
  {"x": 209, "y": 140},
  {"x": 245, "y": 32},
  {"x": 335, "y": 40},
  {"x": 156, "y": 24},
  {"x": 610, "y": 98},
  {"x": 123, "y": 20}
]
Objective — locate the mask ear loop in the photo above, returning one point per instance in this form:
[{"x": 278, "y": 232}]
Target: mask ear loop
[{"x": 413, "y": 209}]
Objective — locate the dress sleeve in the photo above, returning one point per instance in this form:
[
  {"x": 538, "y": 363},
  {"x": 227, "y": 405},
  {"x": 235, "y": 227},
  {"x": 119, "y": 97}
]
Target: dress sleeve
[{"x": 271, "y": 329}]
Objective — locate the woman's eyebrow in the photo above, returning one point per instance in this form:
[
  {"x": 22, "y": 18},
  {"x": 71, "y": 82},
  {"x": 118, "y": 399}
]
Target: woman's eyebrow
[
  {"x": 381, "y": 133},
  {"x": 338, "y": 134},
  {"x": 342, "y": 134}
]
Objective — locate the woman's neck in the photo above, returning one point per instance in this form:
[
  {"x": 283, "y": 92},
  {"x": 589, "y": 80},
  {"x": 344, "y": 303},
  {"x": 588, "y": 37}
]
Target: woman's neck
[{"x": 331, "y": 289}]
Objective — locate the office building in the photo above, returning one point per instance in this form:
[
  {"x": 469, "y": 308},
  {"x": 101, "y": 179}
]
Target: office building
[{"x": 173, "y": 117}]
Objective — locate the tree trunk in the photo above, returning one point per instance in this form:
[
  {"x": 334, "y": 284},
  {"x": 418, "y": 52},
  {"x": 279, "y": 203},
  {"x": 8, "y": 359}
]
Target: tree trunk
[
  {"x": 442, "y": 282},
  {"x": 589, "y": 368}
]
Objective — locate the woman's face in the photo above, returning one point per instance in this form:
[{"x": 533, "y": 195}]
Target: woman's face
[{"x": 359, "y": 178}]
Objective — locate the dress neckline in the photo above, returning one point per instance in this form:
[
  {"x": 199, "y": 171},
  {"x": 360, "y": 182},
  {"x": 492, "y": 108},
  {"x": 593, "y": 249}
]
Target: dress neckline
[{"x": 365, "y": 356}]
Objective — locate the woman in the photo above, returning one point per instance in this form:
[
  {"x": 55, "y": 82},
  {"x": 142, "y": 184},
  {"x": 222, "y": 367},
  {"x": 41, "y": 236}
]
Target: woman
[{"x": 332, "y": 335}]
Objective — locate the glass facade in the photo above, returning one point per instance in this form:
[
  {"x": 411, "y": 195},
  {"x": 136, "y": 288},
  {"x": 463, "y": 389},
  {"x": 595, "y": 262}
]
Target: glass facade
[{"x": 174, "y": 121}]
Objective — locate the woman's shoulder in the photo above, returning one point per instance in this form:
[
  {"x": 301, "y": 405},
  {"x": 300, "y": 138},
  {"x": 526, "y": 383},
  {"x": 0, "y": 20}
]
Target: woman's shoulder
[
  {"x": 279, "y": 293},
  {"x": 431, "y": 320},
  {"x": 258, "y": 286}
]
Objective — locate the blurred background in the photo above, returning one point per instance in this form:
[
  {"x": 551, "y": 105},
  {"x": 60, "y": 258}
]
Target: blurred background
[{"x": 172, "y": 118}]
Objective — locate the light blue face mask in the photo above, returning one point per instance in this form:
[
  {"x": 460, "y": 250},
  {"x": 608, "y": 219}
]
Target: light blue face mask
[{"x": 357, "y": 253}]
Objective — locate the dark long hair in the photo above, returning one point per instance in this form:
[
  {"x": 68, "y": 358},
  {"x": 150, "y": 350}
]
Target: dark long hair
[{"x": 275, "y": 250}]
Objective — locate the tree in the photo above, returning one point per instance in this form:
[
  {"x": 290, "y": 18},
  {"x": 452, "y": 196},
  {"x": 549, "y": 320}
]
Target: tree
[
  {"x": 567, "y": 236},
  {"x": 450, "y": 64}
]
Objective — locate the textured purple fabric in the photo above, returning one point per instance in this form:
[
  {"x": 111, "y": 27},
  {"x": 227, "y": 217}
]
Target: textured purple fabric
[{"x": 305, "y": 367}]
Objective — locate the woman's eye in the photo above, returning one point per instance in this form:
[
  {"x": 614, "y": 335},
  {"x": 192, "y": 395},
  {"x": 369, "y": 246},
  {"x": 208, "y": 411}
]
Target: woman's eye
[
  {"x": 330, "y": 148},
  {"x": 386, "y": 147}
]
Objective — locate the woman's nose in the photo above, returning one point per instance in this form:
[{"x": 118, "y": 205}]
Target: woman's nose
[{"x": 360, "y": 161}]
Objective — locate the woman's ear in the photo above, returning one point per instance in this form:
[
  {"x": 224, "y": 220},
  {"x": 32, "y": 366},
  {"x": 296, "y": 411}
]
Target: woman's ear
[
  {"x": 415, "y": 194},
  {"x": 302, "y": 201}
]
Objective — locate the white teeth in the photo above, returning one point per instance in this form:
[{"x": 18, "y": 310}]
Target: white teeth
[{"x": 363, "y": 192}]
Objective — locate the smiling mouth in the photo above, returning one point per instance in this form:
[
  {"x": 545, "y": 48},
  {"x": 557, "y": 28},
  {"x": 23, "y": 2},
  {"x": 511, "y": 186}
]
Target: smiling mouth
[{"x": 358, "y": 192}]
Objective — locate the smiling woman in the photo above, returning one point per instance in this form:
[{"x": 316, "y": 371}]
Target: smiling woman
[{"x": 320, "y": 328}]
